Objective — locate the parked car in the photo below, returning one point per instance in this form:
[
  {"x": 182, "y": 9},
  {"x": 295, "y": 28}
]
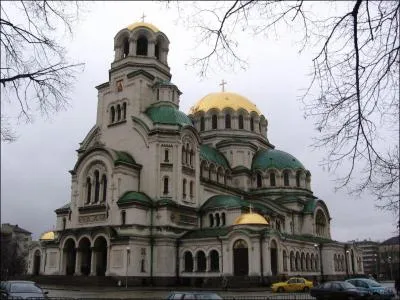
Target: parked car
[
  {"x": 295, "y": 284},
  {"x": 15, "y": 289},
  {"x": 194, "y": 296},
  {"x": 377, "y": 290},
  {"x": 338, "y": 290}
]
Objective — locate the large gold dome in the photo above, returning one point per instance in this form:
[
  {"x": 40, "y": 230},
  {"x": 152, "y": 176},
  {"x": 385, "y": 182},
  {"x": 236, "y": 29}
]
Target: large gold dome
[
  {"x": 224, "y": 100},
  {"x": 47, "y": 236},
  {"x": 143, "y": 24},
  {"x": 250, "y": 218}
]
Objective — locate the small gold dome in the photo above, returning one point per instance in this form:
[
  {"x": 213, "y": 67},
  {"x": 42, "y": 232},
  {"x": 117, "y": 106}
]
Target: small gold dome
[
  {"x": 250, "y": 218},
  {"x": 223, "y": 100},
  {"x": 47, "y": 236},
  {"x": 143, "y": 24}
]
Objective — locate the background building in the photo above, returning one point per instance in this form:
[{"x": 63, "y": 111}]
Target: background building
[
  {"x": 370, "y": 256},
  {"x": 389, "y": 252}
]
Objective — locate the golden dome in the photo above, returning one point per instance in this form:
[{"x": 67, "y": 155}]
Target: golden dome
[
  {"x": 250, "y": 218},
  {"x": 223, "y": 100},
  {"x": 143, "y": 24},
  {"x": 47, "y": 236}
]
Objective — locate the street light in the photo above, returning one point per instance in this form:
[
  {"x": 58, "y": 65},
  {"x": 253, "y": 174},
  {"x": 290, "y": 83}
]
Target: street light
[
  {"x": 319, "y": 246},
  {"x": 127, "y": 264},
  {"x": 389, "y": 259},
  {"x": 347, "y": 263}
]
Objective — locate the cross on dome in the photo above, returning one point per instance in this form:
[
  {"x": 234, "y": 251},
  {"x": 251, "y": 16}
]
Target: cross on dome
[
  {"x": 223, "y": 85},
  {"x": 143, "y": 16}
]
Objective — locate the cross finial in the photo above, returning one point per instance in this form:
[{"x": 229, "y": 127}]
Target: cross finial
[
  {"x": 223, "y": 85},
  {"x": 143, "y": 16}
]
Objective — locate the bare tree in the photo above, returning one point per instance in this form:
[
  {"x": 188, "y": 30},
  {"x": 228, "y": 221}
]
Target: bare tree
[
  {"x": 35, "y": 74},
  {"x": 354, "y": 87}
]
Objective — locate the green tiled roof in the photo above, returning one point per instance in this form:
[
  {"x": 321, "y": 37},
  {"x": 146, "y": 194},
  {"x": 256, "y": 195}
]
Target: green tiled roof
[
  {"x": 166, "y": 114},
  {"x": 166, "y": 201},
  {"x": 207, "y": 233},
  {"x": 271, "y": 158},
  {"x": 64, "y": 207},
  {"x": 123, "y": 156},
  {"x": 308, "y": 238},
  {"x": 131, "y": 197},
  {"x": 310, "y": 206},
  {"x": 213, "y": 155},
  {"x": 220, "y": 201}
]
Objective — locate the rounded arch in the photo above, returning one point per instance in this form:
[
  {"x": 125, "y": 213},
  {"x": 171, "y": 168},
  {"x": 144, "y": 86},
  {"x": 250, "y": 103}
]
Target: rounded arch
[
  {"x": 240, "y": 257},
  {"x": 302, "y": 262},
  {"x": 297, "y": 261},
  {"x": 66, "y": 239},
  {"x": 100, "y": 249},
  {"x": 308, "y": 265},
  {"x": 214, "y": 260},
  {"x": 188, "y": 261},
  {"x": 292, "y": 261},
  {"x": 201, "y": 261},
  {"x": 274, "y": 256},
  {"x": 36, "y": 262},
  {"x": 321, "y": 222}
]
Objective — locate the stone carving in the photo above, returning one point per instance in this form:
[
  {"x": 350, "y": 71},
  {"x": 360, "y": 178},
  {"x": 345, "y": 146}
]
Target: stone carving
[{"x": 92, "y": 218}]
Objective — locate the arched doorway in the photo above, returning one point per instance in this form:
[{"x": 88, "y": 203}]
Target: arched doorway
[
  {"x": 85, "y": 256},
  {"x": 274, "y": 258},
  {"x": 69, "y": 257},
  {"x": 36, "y": 263},
  {"x": 100, "y": 252},
  {"x": 240, "y": 258}
]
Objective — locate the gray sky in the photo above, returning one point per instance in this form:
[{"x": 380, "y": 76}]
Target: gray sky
[{"x": 34, "y": 170}]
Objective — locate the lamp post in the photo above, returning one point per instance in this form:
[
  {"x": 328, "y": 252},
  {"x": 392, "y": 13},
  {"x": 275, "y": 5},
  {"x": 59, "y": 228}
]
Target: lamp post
[
  {"x": 319, "y": 246},
  {"x": 347, "y": 263},
  {"x": 127, "y": 265},
  {"x": 389, "y": 259}
]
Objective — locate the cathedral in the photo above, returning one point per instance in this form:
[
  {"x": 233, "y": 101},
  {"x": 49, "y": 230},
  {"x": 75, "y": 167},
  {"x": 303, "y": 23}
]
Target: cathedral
[{"x": 163, "y": 197}]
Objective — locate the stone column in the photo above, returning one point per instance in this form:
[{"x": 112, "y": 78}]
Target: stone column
[
  {"x": 78, "y": 262},
  {"x": 208, "y": 263},
  {"x": 93, "y": 263},
  {"x": 108, "y": 260},
  {"x": 132, "y": 47},
  {"x": 151, "y": 49}
]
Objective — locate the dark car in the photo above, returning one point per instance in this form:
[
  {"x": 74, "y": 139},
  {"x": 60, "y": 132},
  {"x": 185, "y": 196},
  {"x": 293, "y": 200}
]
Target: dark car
[
  {"x": 377, "y": 290},
  {"x": 194, "y": 296},
  {"x": 338, "y": 290},
  {"x": 21, "y": 290}
]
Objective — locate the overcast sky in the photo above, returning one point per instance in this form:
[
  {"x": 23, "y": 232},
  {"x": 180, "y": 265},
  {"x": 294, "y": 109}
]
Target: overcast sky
[{"x": 34, "y": 169}]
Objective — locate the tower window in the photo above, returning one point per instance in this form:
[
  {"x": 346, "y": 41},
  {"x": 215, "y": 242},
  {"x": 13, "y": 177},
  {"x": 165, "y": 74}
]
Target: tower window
[
  {"x": 184, "y": 188},
  {"x": 272, "y": 180},
  {"x": 118, "y": 112},
  {"x": 298, "y": 174},
  {"x": 214, "y": 122},
  {"x": 211, "y": 217},
  {"x": 112, "y": 114},
  {"x": 166, "y": 185},
  {"x": 252, "y": 124},
  {"x": 227, "y": 121},
  {"x": 259, "y": 127},
  {"x": 191, "y": 189},
  {"x": 96, "y": 186},
  {"x": 286, "y": 179},
  {"x": 104, "y": 183},
  {"x": 123, "y": 217},
  {"x": 141, "y": 46},
  {"x": 166, "y": 155},
  {"x": 259, "y": 181},
  {"x": 240, "y": 121},
  {"x": 124, "y": 110},
  {"x": 64, "y": 223},
  {"x": 223, "y": 219},
  {"x": 157, "y": 51},
  {"x": 88, "y": 190},
  {"x": 126, "y": 47},
  {"x": 202, "y": 125}
]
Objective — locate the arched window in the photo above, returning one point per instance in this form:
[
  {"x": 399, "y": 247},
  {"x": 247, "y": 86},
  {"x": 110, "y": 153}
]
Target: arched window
[
  {"x": 191, "y": 157},
  {"x": 217, "y": 220},
  {"x": 191, "y": 189},
  {"x": 214, "y": 261},
  {"x": 202, "y": 124},
  {"x": 286, "y": 179},
  {"x": 112, "y": 114},
  {"x": 227, "y": 121},
  {"x": 240, "y": 121},
  {"x": 166, "y": 185},
  {"x": 157, "y": 51},
  {"x": 158, "y": 94},
  {"x": 142, "y": 268},
  {"x": 259, "y": 180},
  {"x": 201, "y": 261},
  {"x": 141, "y": 46},
  {"x": 272, "y": 181},
  {"x": 284, "y": 260},
  {"x": 88, "y": 190},
  {"x": 124, "y": 110},
  {"x": 214, "y": 121},
  {"x": 166, "y": 155},
  {"x": 211, "y": 219},
  {"x": 97, "y": 186},
  {"x": 184, "y": 188},
  {"x": 252, "y": 124},
  {"x": 126, "y": 47},
  {"x": 297, "y": 261},
  {"x": 320, "y": 223},
  {"x": 104, "y": 183},
  {"x": 64, "y": 223},
  {"x": 187, "y": 154},
  {"x": 259, "y": 127},
  {"x": 292, "y": 266},
  {"x": 223, "y": 219},
  {"x": 298, "y": 174},
  {"x": 188, "y": 261},
  {"x": 123, "y": 217},
  {"x": 118, "y": 112}
]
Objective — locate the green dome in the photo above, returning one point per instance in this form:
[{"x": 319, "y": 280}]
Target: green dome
[
  {"x": 271, "y": 158},
  {"x": 167, "y": 114},
  {"x": 213, "y": 155},
  {"x": 224, "y": 201}
]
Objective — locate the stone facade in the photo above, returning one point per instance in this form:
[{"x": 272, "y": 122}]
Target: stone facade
[{"x": 156, "y": 193}]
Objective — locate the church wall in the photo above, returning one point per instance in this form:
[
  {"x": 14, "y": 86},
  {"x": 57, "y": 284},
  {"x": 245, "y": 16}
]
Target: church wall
[{"x": 164, "y": 257}]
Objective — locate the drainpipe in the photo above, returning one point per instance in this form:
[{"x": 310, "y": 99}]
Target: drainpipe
[
  {"x": 151, "y": 245},
  {"x": 261, "y": 258}
]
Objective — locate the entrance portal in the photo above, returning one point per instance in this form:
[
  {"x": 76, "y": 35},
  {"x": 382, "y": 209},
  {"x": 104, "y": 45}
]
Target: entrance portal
[
  {"x": 36, "y": 263},
  {"x": 240, "y": 258},
  {"x": 85, "y": 256},
  {"x": 274, "y": 258},
  {"x": 100, "y": 246},
  {"x": 69, "y": 257}
]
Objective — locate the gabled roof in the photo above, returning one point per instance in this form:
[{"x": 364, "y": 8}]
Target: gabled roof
[
  {"x": 213, "y": 155},
  {"x": 64, "y": 208}
]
